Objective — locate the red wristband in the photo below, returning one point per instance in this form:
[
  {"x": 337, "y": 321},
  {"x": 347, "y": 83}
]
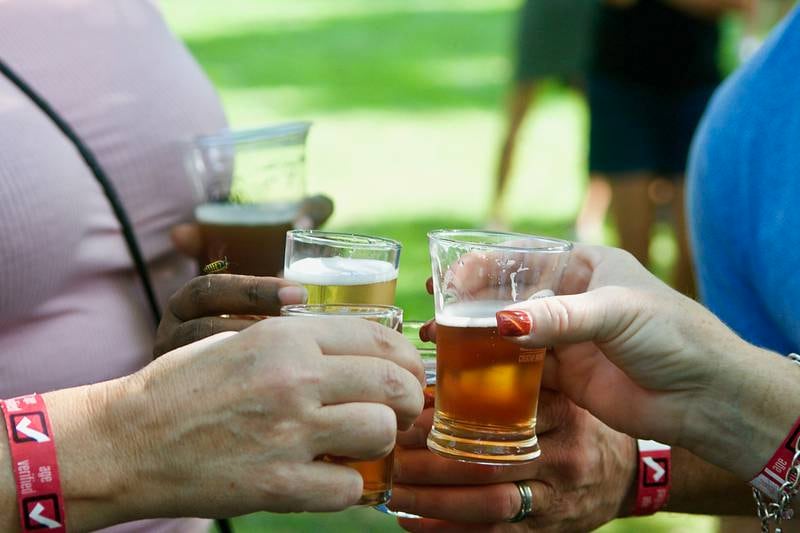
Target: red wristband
[
  {"x": 773, "y": 475},
  {"x": 653, "y": 477},
  {"x": 33, "y": 460}
]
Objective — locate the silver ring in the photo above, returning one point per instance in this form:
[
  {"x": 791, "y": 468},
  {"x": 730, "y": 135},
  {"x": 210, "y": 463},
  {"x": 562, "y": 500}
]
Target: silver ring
[{"x": 526, "y": 508}]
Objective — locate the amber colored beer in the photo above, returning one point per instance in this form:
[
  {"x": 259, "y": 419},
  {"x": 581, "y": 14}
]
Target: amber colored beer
[
  {"x": 345, "y": 280},
  {"x": 487, "y": 388},
  {"x": 250, "y": 237},
  {"x": 377, "y": 476}
]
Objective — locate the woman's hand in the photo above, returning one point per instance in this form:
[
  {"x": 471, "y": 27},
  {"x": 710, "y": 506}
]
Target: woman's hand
[
  {"x": 652, "y": 363},
  {"x": 236, "y": 423},
  {"x": 579, "y": 483},
  {"x": 221, "y": 302}
]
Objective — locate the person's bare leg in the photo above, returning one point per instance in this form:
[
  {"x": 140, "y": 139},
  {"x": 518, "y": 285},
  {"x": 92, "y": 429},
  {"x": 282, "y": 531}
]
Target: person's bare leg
[
  {"x": 683, "y": 271},
  {"x": 519, "y": 101},
  {"x": 633, "y": 213},
  {"x": 589, "y": 224}
]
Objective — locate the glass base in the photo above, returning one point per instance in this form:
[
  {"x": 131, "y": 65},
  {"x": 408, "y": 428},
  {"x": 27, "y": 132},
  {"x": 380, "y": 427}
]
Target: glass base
[
  {"x": 373, "y": 498},
  {"x": 484, "y": 445}
]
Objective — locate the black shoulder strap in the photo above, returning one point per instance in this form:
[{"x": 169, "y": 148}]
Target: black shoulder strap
[{"x": 102, "y": 179}]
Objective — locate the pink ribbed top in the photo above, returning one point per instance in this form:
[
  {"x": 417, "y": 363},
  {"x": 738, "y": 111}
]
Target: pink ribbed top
[{"x": 71, "y": 308}]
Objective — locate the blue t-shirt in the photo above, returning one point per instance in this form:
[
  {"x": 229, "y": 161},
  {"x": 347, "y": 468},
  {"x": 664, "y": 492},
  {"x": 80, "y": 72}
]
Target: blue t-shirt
[{"x": 744, "y": 196}]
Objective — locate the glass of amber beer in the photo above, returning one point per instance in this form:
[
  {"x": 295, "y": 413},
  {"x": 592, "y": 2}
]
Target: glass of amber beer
[
  {"x": 487, "y": 388},
  {"x": 377, "y": 474},
  {"x": 343, "y": 268},
  {"x": 250, "y": 185}
]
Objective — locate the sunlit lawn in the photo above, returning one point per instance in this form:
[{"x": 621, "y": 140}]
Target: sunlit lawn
[{"x": 405, "y": 97}]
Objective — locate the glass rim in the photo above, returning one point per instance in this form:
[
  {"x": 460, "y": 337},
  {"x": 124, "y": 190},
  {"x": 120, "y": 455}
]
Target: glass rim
[
  {"x": 279, "y": 134},
  {"x": 555, "y": 245},
  {"x": 343, "y": 239},
  {"x": 349, "y": 310}
]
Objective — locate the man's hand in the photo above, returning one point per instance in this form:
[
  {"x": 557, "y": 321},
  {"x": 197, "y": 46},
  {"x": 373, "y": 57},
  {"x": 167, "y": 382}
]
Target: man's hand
[
  {"x": 580, "y": 481},
  {"x": 221, "y": 302}
]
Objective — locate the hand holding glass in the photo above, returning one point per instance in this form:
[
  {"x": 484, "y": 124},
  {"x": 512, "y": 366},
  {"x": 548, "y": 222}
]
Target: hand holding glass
[
  {"x": 487, "y": 388},
  {"x": 377, "y": 474}
]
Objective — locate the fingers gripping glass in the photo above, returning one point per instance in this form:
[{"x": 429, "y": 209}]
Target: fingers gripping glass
[
  {"x": 427, "y": 352},
  {"x": 377, "y": 474}
]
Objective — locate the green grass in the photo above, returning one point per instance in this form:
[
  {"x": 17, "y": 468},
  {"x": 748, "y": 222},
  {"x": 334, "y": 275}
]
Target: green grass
[{"x": 406, "y": 100}]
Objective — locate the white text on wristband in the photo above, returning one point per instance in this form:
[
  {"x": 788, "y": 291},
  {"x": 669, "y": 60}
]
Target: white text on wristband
[
  {"x": 34, "y": 462},
  {"x": 773, "y": 475},
  {"x": 653, "y": 477}
]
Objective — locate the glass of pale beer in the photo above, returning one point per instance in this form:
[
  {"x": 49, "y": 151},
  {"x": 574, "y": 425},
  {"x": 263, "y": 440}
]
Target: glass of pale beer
[
  {"x": 377, "y": 474},
  {"x": 250, "y": 186},
  {"x": 343, "y": 268},
  {"x": 487, "y": 388}
]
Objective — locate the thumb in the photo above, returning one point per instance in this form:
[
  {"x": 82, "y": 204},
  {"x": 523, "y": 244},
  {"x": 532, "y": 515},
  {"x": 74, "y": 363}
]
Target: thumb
[
  {"x": 187, "y": 239},
  {"x": 590, "y": 316}
]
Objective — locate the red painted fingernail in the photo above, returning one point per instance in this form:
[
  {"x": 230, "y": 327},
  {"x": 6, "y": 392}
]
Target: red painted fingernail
[
  {"x": 429, "y": 285},
  {"x": 514, "y": 323}
]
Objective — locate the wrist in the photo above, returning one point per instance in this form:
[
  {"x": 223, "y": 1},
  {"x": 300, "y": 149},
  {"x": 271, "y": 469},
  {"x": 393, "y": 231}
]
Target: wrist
[
  {"x": 91, "y": 455},
  {"x": 745, "y": 411},
  {"x": 628, "y": 502}
]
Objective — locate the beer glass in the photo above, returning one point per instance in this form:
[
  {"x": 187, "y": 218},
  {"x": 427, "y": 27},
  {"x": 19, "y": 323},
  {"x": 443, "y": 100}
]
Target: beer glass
[
  {"x": 250, "y": 186},
  {"x": 377, "y": 474},
  {"x": 343, "y": 267},
  {"x": 487, "y": 388}
]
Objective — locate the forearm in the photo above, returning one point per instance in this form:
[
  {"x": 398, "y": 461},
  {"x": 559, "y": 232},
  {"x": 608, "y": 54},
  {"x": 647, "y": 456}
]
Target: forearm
[
  {"x": 746, "y": 411},
  {"x": 91, "y": 475}
]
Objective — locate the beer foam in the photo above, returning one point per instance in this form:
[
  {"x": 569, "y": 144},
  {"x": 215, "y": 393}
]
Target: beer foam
[
  {"x": 471, "y": 314},
  {"x": 340, "y": 271},
  {"x": 247, "y": 214}
]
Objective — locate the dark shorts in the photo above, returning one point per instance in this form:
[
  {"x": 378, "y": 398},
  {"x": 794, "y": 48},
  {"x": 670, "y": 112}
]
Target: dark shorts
[{"x": 637, "y": 128}]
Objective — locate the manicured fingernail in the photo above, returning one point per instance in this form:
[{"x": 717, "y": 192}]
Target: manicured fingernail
[
  {"x": 292, "y": 295},
  {"x": 514, "y": 323}
]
